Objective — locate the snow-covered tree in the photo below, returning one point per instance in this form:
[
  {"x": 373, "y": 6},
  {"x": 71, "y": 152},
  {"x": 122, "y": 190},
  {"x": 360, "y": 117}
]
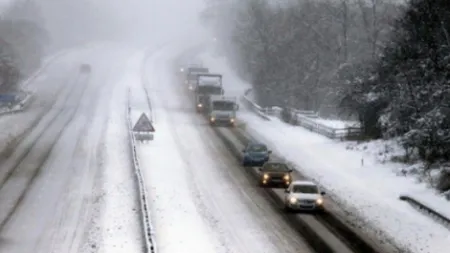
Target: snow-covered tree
[
  {"x": 293, "y": 51},
  {"x": 411, "y": 81}
]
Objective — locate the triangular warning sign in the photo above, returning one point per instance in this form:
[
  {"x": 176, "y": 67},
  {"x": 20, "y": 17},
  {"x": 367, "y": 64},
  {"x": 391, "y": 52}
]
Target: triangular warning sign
[{"x": 143, "y": 124}]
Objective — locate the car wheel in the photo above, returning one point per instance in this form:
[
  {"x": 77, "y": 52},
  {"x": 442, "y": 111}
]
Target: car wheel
[{"x": 287, "y": 208}]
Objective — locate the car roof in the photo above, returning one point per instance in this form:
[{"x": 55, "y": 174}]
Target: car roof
[{"x": 303, "y": 182}]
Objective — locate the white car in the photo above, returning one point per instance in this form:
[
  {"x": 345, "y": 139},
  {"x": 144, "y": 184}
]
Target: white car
[{"x": 304, "y": 196}]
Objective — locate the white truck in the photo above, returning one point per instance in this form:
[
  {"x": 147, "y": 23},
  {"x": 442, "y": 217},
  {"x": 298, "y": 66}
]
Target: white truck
[
  {"x": 192, "y": 73},
  {"x": 222, "y": 110},
  {"x": 207, "y": 85}
]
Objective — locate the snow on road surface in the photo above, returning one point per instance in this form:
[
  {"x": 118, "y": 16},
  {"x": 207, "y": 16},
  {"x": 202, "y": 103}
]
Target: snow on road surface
[
  {"x": 371, "y": 189},
  {"x": 69, "y": 191},
  {"x": 198, "y": 203}
]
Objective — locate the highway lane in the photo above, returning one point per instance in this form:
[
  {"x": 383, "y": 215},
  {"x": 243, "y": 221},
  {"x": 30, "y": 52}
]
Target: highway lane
[
  {"x": 233, "y": 213},
  {"x": 49, "y": 196}
]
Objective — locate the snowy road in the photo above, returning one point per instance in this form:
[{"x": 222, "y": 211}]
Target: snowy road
[
  {"x": 55, "y": 195},
  {"x": 200, "y": 200}
]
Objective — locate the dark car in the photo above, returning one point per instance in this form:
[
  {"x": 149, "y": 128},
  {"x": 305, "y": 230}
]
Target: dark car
[
  {"x": 255, "y": 154},
  {"x": 85, "y": 68},
  {"x": 275, "y": 174}
]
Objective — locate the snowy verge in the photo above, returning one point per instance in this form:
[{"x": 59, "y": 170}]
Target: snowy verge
[
  {"x": 261, "y": 112},
  {"x": 427, "y": 210},
  {"x": 389, "y": 153},
  {"x": 150, "y": 242},
  {"x": 333, "y": 129}
]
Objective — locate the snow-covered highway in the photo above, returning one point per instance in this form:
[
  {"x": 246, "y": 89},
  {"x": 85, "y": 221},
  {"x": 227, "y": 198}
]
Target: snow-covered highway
[
  {"x": 199, "y": 201},
  {"x": 59, "y": 184}
]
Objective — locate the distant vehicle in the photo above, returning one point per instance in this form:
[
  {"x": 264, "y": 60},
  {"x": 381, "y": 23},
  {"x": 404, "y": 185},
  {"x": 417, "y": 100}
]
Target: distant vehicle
[
  {"x": 255, "y": 154},
  {"x": 85, "y": 68},
  {"x": 207, "y": 85},
  {"x": 222, "y": 110},
  {"x": 275, "y": 174},
  {"x": 191, "y": 75},
  {"x": 303, "y": 196}
]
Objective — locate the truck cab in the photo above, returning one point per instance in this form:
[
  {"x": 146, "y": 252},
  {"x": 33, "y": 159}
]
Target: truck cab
[
  {"x": 222, "y": 110},
  {"x": 191, "y": 75},
  {"x": 207, "y": 85}
]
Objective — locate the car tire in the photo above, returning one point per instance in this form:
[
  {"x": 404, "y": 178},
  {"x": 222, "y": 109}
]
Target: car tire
[{"x": 287, "y": 209}]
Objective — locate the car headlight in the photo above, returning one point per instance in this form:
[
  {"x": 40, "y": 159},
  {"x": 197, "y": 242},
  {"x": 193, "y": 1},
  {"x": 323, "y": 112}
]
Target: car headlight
[
  {"x": 212, "y": 119},
  {"x": 286, "y": 177},
  {"x": 319, "y": 201},
  {"x": 200, "y": 105},
  {"x": 266, "y": 176},
  {"x": 232, "y": 120},
  {"x": 292, "y": 200}
]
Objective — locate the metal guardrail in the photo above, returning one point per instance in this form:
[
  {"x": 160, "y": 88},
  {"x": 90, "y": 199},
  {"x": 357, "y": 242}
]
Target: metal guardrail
[
  {"x": 254, "y": 107},
  {"x": 441, "y": 218},
  {"x": 150, "y": 242},
  {"x": 302, "y": 118}
]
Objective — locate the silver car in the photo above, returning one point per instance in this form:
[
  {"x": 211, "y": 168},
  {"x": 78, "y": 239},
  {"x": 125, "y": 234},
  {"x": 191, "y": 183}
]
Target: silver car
[{"x": 304, "y": 196}]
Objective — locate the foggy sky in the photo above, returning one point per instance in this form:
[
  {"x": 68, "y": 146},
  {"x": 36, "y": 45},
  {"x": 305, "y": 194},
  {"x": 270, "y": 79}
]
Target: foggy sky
[{"x": 138, "y": 21}]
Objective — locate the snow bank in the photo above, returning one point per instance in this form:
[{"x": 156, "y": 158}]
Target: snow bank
[{"x": 387, "y": 151}]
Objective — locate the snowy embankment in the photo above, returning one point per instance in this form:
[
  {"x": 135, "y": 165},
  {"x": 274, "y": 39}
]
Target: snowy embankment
[{"x": 367, "y": 186}]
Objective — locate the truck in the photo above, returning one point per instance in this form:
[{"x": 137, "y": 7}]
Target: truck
[
  {"x": 191, "y": 75},
  {"x": 222, "y": 110},
  {"x": 207, "y": 85}
]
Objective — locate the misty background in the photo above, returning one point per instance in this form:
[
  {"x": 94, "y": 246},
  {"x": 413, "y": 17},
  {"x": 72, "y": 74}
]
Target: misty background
[
  {"x": 381, "y": 62},
  {"x": 30, "y": 30}
]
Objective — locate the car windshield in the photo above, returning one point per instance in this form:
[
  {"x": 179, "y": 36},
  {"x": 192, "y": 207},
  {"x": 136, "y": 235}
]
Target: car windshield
[
  {"x": 275, "y": 167},
  {"x": 213, "y": 90},
  {"x": 305, "y": 189},
  {"x": 223, "y": 105},
  {"x": 257, "y": 148}
]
